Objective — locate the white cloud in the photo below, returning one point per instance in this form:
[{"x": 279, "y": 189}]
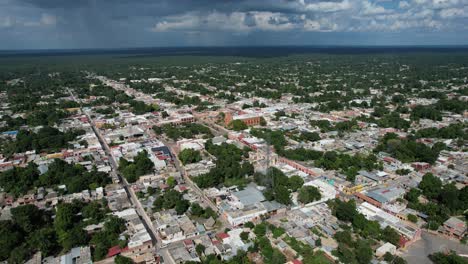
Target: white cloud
[
  {"x": 453, "y": 13},
  {"x": 7, "y": 22},
  {"x": 341, "y": 16},
  {"x": 373, "y": 9},
  {"x": 327, "y": 6},
  {"x": 403, "y": 5},
  {"x": 211, "y": 21},
  {"x": 48, "y": 20}
]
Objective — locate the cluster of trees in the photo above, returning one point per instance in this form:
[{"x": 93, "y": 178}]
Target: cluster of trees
[
  {"x": 308, "y": 136},
  {"x": 47, "y": 139},
  {"x": 344, "y": 126},
  {"x": 347, "y": 212},
  {"x": 28, "y": 231},
  {"x": 452, "y": 131},
  {"x": 407, "y": 150},
  {"x": 140, "y": 108},
  {"x": 46, "y": 116},
  {"x": 171, "y": 199},
  {"x": 309, "y": 256},
  {"x": 255, "y": 103},
  {"x": 75, "y": 177},
  {"x": 427, "y": 112},
  {"x": 308, "y": 194},
  {"x": 444, "y": 200},
  {"x": 307, "y": 252},
  {"x": 275, "y": 138},
  {"x": 32, "y": 229},
  {"x": 451, "y": 258},
  {"x": 141, "y": 165},
  {"x": 189, "y": 155},
  {"x": 230, "y": 168},
  {"x": 18, "y": 181},
  {"x": 108, "y": 237},
  {"x": 301, "y": 154},
  {"x": 351, "y": 251},
  {"x": 183, "y": 131},
  {"x": 453, "y": 105},
  {"x": 279, "y": 187},
  {"x": 237, "y": 125},
  {"x": 394, "y": 120},
  {"x": 197, "y": 210},
  {"x": 347, "y": 164},
  {"x": 71, "y": 218},
  {"x": 433, "y": 112},
  {"x": 263, "y": 245}
]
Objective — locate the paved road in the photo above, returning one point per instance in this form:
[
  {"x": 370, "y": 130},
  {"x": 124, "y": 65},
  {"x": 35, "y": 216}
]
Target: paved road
[
  {"x": 187, "y": 179},
  {"x": 430, "y": 243},
  {"x": 115, "y": 172}
]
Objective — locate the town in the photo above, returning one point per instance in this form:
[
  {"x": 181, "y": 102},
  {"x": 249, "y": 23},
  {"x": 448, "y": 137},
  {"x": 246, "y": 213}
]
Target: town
[{"x": 303, "y": 159}]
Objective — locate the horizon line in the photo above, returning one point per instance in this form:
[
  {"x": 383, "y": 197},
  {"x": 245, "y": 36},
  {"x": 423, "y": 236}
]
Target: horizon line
[{"x": 243, "y": 46}]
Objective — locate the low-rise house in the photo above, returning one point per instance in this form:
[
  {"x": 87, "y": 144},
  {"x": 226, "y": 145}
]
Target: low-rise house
[
  {"x": 387, "y": 247},
  {"x": 454, "y": 227}
]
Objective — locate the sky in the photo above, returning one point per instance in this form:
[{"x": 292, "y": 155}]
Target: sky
[{"x": 69, "y": 24}]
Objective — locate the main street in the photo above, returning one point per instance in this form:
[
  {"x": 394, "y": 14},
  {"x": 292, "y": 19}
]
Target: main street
[
  {"x": 115, "y": 174},
  {"x": 185, "y": 176}
]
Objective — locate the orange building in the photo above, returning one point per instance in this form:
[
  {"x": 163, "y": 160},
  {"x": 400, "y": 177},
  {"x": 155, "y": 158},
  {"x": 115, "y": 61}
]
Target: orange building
[{"x": 248, "y": 119}]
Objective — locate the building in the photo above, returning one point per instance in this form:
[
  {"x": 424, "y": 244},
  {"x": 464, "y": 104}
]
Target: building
[
  {"x": 78, "y": 255},
  {"x": 408, "y": 233},
  {"x": 454, "y": 227},
  {"x": 387, "y": 247},
  {"x": 386, "y": 195},
  {"x": 248, "y": 119}
]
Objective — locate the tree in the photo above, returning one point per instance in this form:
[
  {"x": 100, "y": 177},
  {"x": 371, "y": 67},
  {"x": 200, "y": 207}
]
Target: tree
[
  {"x": 344, "y": 237},
  {"x": 260, "y": 229},
  {"x": 430, "y": 185},
  {"x": 244, "y": 236},
  {"x": 363, "y": 252},
  {"x": 308, "y": 194},
  {"x": 412, "y": 218},
  {"x": 345, "y": 254},
  {"x": 310, "y": 136},
  {"x": 238, "y": 125},
  {"x": 452, "y": 258},
  {"x": 282, "y": 195},
  {"x": 345, "y": 211},
  {"x": 196, "y": 209},
  {"x": 413, "y": 195},
  {"x": 44, "y": 240},
  {"x": 318, "y": 242},
  {"x": 141, "y": 165},
  {"x": 189, "y": 155},
  {"x": 449, "y": 196},
  {"x": 19, "y": 254},
  {"x": 122, "y": 260},
  {"x": 388, "y": 257},
  {"x": 295, "y": 182},
  {"x": 28, "y": 217},
  {"x": 390, "y": 235},
  {"x": 200, "y": 249},
  {"x": 10, "y": 238},
  {"x": 182, "y": 206},
  {"x": 171, "y": 182}
]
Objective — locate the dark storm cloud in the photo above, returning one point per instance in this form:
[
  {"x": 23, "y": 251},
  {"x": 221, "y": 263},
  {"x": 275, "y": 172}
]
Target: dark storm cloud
[{"x": 122, "y": 23}]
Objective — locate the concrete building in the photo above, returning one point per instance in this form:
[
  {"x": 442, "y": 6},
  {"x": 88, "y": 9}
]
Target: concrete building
[{"x": 454, "y": 227}]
